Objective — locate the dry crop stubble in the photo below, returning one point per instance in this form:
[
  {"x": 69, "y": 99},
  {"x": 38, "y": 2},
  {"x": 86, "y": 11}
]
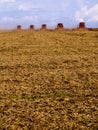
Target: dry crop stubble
[{"x": 48, "y": 80}]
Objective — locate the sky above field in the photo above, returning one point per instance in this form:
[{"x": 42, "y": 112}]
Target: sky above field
[{"x": 50, "y": 12}]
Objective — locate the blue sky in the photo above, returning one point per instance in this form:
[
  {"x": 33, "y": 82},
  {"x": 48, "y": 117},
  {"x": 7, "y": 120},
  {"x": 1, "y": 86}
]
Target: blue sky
[{"x": 50, "y": 12}]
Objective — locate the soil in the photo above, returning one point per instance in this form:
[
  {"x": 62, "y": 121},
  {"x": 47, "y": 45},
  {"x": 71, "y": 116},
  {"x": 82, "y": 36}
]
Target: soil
[{"x": 49, "y": 80}]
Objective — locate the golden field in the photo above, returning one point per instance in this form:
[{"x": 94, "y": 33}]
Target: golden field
[{"x": 49, "y": 80}]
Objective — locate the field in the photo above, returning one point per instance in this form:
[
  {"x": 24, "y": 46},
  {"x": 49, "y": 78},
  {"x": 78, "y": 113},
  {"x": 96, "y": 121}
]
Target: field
[{"x": 49, "y": 80}]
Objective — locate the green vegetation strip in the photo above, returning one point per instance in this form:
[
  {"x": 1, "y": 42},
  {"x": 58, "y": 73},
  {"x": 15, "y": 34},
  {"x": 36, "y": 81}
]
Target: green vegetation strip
[{"x": 36, "y": 97}]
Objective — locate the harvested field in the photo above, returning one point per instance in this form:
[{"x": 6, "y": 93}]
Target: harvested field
[{"x": 49, "y": 80}]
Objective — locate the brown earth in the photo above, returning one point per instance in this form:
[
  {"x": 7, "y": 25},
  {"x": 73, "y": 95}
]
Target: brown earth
[{"x": 49, "y": 80}]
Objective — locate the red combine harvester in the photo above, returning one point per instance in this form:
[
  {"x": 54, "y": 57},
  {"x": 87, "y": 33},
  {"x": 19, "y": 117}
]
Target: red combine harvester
[
  {"x": 60, "y": 26},
  {"x": 19, "y": 27},
  {"x": 82, "y": 25},
  {"x": 44, "y": 26},
  {"x": 31, "y": 26}
]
